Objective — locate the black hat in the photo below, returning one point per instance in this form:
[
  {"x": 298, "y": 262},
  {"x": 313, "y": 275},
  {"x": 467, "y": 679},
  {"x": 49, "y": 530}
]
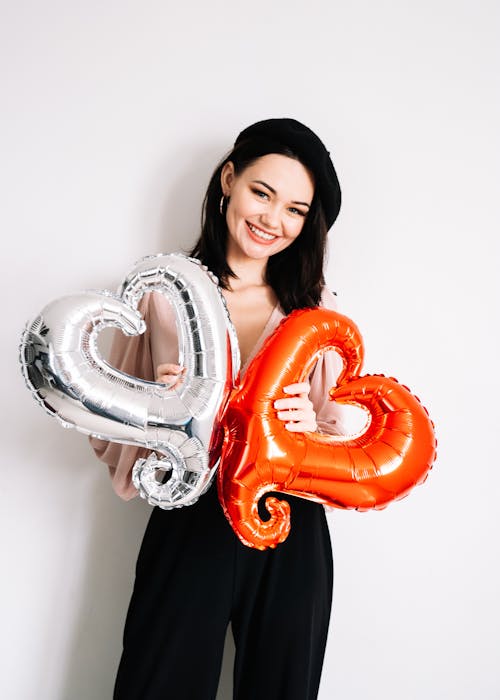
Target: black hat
[{"x": 310, "y": 150}]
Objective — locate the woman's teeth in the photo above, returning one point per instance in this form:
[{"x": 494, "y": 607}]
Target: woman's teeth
[{"x": 261, "y": 234}]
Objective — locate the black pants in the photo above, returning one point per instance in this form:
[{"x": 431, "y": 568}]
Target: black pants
[{"x": 194, "y": 576}]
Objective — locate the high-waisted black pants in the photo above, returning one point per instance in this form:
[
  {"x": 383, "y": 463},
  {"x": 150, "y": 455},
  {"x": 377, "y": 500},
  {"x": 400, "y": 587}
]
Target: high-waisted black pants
[{"x": 194, "y": 576}]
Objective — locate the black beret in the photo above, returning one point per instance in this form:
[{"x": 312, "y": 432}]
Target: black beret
[{"x": 311, "y": 152}]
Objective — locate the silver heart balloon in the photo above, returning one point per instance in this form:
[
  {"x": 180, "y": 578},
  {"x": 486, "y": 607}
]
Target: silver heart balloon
[{"x": 65, "y": 371}]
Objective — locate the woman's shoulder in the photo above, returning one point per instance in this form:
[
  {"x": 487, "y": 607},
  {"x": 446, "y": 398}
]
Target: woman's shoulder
[{"x": 328, "y": 299}]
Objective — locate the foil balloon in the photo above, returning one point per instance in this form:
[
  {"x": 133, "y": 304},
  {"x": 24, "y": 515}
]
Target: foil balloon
[
  {"x": 383, "y": 462},
  {"x": 68, "y": 376}
]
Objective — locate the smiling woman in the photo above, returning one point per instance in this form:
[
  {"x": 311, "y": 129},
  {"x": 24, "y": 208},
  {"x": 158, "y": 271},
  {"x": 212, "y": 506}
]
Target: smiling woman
[
  {"x": 264, "y": 219},
  {"x": 266, "y": 214},
  {"x": 295, "y": 272}
]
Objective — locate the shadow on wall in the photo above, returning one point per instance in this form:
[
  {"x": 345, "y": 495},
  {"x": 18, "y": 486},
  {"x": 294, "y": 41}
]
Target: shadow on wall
[
  {"x": 116, "y": 527},
  {"x": 226, "y": 677},
  {"x": 115, "y": 533},
  {"x": 95, "y": 643},
  {"x": 178, "y": 205}
]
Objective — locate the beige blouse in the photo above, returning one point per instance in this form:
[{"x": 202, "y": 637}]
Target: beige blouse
[{"x": 140, "y": 355}]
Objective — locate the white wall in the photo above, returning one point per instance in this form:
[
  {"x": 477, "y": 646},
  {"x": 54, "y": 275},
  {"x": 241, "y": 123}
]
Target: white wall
[{"x": 114, "y": 114}]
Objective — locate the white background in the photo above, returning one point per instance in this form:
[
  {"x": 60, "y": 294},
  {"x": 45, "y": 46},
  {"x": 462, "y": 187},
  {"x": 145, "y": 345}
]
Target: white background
[{"x": 114, "y": 116}]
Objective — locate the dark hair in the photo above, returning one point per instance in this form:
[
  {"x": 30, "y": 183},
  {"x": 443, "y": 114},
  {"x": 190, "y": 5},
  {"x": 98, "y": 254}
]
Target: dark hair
[{"x": 295, "y": 273}]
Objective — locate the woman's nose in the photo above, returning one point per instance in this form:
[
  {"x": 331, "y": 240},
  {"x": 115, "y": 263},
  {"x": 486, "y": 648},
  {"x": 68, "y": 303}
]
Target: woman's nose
[{"x": 271, "y": 216}]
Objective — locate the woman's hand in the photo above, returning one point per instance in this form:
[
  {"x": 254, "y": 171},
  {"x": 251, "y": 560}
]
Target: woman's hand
[
  {"x": 299, "y": 411},
  {"x": 171, "y": 375}
]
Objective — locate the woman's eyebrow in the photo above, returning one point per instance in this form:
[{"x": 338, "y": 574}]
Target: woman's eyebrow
[{"x": 261, "y": 182}]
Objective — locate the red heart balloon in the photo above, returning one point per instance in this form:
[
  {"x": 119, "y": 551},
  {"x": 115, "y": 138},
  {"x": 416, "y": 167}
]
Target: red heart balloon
[{"x": 383, "y": 463}]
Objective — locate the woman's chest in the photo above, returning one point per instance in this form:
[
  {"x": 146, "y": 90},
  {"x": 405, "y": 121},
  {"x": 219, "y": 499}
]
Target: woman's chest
[{"x": 250, "y": 316}]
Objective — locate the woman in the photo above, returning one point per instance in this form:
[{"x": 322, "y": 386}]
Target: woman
[{"x": 267, "y": 211}]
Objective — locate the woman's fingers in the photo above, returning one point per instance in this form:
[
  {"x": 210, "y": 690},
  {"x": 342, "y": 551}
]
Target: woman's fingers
[
  {"x": 298, "y": 388},
  {"x": 298, "y": 402},
  {"x": 170, "y": 374},
  {"x": 297, "y": 412},
  {"x": 169, "y": 368},
  {"x": 302, "y": 427},
  {"x": 294, "y": 415}
]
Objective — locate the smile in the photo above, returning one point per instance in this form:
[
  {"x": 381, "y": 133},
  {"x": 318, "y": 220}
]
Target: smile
[{"x": 260, "y": 234}]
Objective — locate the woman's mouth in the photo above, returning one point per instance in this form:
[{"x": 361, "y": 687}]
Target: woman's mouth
[{"x": 260, "y": 235}]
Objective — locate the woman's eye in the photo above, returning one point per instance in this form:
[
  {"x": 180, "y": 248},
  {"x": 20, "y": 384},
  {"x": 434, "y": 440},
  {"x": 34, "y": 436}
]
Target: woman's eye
[
  {"x": 294, "y": 210},
  {"x": 260, "y": 193}
]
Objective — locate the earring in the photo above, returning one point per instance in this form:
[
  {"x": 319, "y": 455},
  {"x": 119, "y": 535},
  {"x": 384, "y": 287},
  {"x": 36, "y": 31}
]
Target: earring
[{"x": 221, "y": 205}]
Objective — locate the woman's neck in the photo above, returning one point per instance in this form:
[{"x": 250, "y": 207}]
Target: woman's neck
[{"x": 249, "y": 271}]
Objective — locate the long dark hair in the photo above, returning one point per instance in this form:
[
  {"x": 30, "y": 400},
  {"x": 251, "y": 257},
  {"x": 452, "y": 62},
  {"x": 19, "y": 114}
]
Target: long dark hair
[{"x": 295, "y": 273}]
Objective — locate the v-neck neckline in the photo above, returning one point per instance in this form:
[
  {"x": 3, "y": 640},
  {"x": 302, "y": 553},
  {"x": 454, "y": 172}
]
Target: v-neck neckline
[{"x": 260, "y": 340}]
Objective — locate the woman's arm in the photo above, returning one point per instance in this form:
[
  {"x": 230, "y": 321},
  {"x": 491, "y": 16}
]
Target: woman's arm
[{"x": 138, "y": 356}]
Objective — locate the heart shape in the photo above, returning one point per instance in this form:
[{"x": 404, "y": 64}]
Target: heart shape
[
  {"x": 67, "y": 375},
  {"x": 384, "y": 462}
]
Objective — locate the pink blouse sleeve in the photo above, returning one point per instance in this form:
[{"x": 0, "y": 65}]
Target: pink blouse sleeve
[
  {"x": 138, "y": 356},
  {"x": 324, "y": 377}
]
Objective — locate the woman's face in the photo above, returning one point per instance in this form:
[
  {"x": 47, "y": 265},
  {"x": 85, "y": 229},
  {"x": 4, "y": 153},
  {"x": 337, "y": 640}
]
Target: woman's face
[{"x": 268, "y": 204}]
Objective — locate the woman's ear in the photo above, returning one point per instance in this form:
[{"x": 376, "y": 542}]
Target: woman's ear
[{"x": 227, "y": 178}]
